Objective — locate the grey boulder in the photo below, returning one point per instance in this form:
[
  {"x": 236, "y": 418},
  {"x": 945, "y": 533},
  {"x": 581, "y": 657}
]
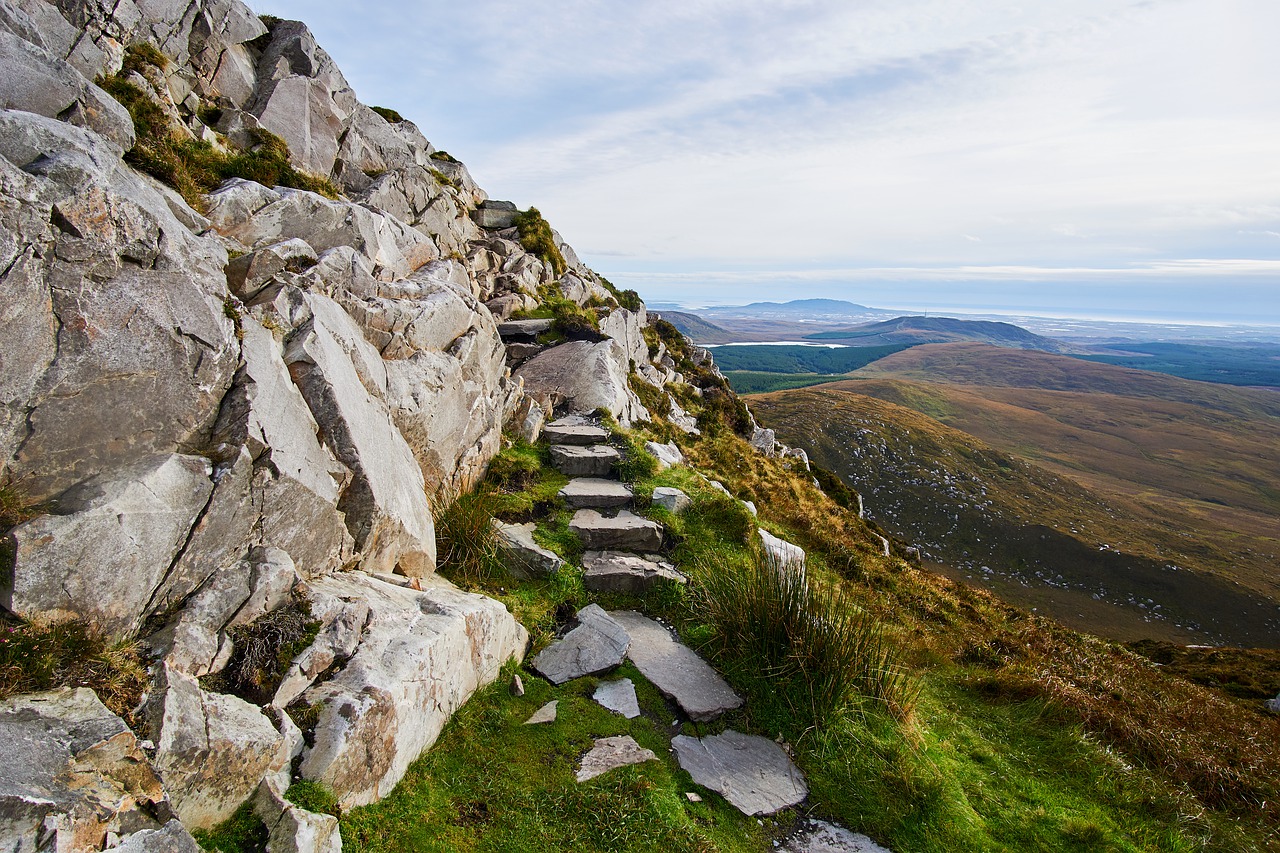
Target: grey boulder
[
  {"x": 72, "y": 772},
  {"x": 422, "y": 654},
  {"x": 584, "y": 376},
  {"x": 672, "y": 500},
  {"x": 524, "y": 556}
]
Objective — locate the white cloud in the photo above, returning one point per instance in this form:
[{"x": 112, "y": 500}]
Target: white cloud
[{"x": 1095, "y": 135}]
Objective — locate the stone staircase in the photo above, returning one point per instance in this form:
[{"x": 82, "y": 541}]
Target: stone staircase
[{"x": 753, "y": 773}]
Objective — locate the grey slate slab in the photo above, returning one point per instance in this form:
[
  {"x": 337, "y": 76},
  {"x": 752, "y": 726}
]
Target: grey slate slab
[
  {"x": 577, "y": 461},
  {"x": 619, "y": 571},
  {"x": 597, "y": 644},
  {"x": 753, "y": 773},
  {"x": 676, "y": 669},
  {"x": 580, "y": 434},
  {"x": 587, "y": 492},
  {"x": 626, "y": 531},
  {"x": 618, "y": 696},
  {"x": 611, "y": 752}
]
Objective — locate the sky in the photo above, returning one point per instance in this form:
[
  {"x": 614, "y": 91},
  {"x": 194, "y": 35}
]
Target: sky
[{"x": 1091, "y": 157}]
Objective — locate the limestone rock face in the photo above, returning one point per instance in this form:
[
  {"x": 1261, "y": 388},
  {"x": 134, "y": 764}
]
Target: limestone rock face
[
  {"x": 211, "y": 749},
  {"x": 72, "y": 772},
  {"x": 389, "y": 702},
  {"x": 583, "y": 376},
  {"x": 95, "y": 377},
  {"x": 109, "y": 548},
  {"x": 385, "y": 505},
  {"x": 37, "y": 81}
]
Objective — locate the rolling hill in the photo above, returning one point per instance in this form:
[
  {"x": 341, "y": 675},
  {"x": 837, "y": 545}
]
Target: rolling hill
[
  {"x": 931, "y": 330},
  {"x": 1112, "y": 476}
]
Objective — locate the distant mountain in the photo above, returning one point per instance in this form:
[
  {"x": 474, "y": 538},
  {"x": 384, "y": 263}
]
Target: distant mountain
[
  {"x": 697, "y": 329},
  {"x": 797, "y": 308},
  {"x": 938, "y": 330}
]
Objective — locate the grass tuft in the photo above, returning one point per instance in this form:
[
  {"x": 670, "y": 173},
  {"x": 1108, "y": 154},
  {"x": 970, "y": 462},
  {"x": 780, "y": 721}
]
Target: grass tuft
[
  {"x": 388, "y": 114},
  {"x": 243, "y": 832},
  {"x": 465, "y": 541},
  {"x": 314, "y": 797},
  {"x": 813, "y": 648},
  {"x": 536, "y": 237}
]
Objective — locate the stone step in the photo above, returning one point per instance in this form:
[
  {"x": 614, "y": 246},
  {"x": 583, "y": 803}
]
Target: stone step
[
  {"x": 626, "y": 532},
  {"x": 675, "y": 669},
  {"x": 589, "y": 492},
  {"x": 753, "y": 773},
  {"x": 575, "y": 461},
  {"x": 618, "y": 571},
  {"x": 523, "y": 329},
  {"x": 558, "y": 433}
]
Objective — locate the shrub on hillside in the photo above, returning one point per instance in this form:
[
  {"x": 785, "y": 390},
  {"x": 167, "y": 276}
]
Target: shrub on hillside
[{"x": 536, "y": 237}]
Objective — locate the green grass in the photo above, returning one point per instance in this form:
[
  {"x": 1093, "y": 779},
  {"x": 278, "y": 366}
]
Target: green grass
[
  {"x": 243, "y": 832},
  {"x": 390, "y": 115},
  {"x": 466, "y": 545},
  {"x": 70, "y": 654},
  {"x": 492, "y": 783},
  {"x": 536, "y": 237}
]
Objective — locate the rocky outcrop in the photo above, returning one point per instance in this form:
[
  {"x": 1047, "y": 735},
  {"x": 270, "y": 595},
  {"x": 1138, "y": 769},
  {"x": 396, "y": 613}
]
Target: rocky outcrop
[
  {"x": 422, "y": 654},
  {"x": 73, "y": 772},
  {"x": 581, "y": 376}
]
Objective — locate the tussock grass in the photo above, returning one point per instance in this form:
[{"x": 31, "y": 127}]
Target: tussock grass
[
  {"x": 70, "y": 654},
  {"x": 536, "y": 237},
  {"x": 466, "y": 545},
  {"x": 812, "y": 650}
]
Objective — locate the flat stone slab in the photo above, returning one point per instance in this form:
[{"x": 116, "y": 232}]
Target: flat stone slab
[
  {"x": 672, "y": 500},
  {"x": 626, "y": 531},
  {"x": 611, "y": 752},
  {"x": 675, "y": 669},
  {"x": 619, "y": 571},
  {"x": 576, "y": 434},
  {"x": 577, "y": 461},
  {"x": 597, "y": 644},
  {"x": 588, "y": 492},
  {"x": 818, "y": 836},
  {"x": 545, "y": 714},
  {"x": 524, "y": 328},
  {"x": 523, "y": 556},
  {"x": 753, "y": 773},
  {"x": 618, "y": 696}
]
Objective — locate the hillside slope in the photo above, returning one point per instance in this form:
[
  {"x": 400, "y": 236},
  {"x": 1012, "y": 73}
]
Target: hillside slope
[
  {"x": 1037, "y": 537},
  {"x": 912, "y": 331}
]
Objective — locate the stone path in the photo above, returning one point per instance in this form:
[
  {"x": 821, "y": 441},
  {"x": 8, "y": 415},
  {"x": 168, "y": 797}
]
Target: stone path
[
  {"x": 753, "y": 773},
  {"x": 586, "y": 492},
  {"x": 625, "y": 531},
  {"x": 675, "y": 669},
  {"x": 622, "y": 571},
  {"x": 573, "y": 460}
]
